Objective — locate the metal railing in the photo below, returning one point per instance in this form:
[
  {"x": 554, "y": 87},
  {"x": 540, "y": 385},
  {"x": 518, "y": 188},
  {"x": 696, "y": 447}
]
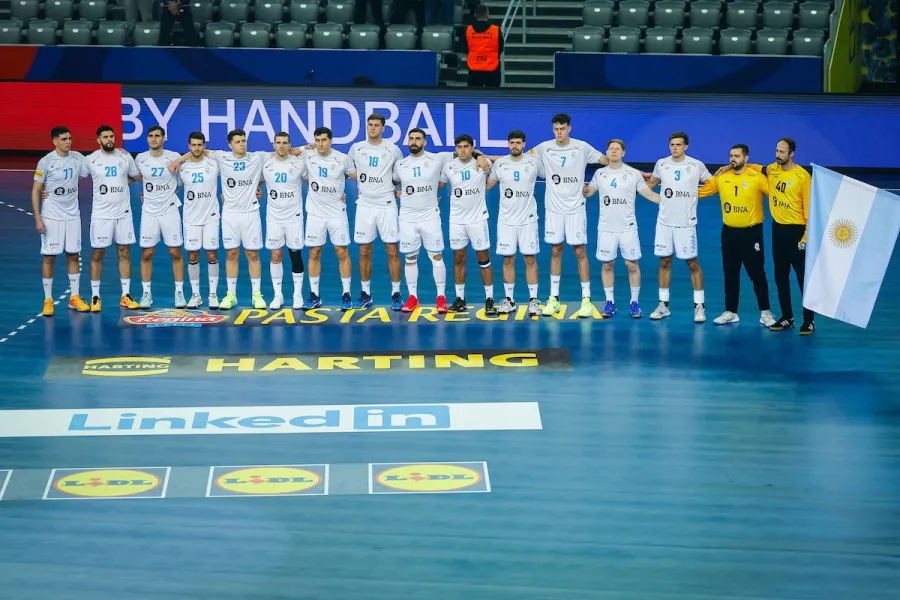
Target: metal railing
[{"x": 512, "y": 11}]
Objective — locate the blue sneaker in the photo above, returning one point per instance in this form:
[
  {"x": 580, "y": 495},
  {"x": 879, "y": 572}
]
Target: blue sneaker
[
  {"x": 364, "y": 301},
  {"x": 396, "y": 301},
  {"x": 636, "y": 312},
  {"x": 609, "y": 310},
  {"x": 313, "y": 301},
  {"x": 346, "y": 301}
]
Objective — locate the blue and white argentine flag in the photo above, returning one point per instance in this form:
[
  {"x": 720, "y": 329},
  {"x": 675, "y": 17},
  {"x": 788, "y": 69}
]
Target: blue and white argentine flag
[{"x": 850, "y": 237}]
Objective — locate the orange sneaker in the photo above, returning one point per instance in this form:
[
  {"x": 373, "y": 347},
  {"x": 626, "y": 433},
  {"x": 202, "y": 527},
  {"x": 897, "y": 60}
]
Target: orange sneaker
[
  {"x": 76, "y": 303},
  {"x": 128, "y": 302},
  {"x": 48, "y": 307},
  {"x": 95, "y": 304}
]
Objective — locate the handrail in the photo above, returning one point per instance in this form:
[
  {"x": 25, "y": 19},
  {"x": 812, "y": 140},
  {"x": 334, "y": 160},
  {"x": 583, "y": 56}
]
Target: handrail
[{"x": 512, "y": 12}]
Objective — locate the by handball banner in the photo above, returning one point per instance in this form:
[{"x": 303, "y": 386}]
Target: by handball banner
[{"x": 821, "y": 125}]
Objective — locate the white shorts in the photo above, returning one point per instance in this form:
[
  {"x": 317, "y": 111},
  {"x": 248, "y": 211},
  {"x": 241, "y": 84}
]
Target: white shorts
[
  {"x": 242, "y": 229},
  {"x": 610, "y": 242},
  {"x": 426, "y": 233},
  {"x": 680, "y": 241},
  {"x": 370, "y": 221},
  {"x": 523, "y": 238},
  {"x": 571, "y": 228},
  {"x": 168, "y": 224},
  {"x": 61, "y": 236},
  {"x": 337, "y": 229},
  {"x": 204, "y": 236},
  {"x": 105, "y": 231},
  {"x": 476, "y": 234},
  {"x": 280, "y": 234}
]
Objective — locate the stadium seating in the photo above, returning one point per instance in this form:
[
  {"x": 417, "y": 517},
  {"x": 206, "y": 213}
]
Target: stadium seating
[
  {"x": 624, "y": 40},
  {"x": 588, "y": 39},
  {"x": 706, "y": 13},
  {"x": 437, "y": 38},
  {"x": 146, "y": 33},
  {"x": 364, "y": 37},
  {"x": 77, "y": 33},
  {"x": 42, "y": 32},
  {"x": 660, "y": 40},
  {"x": 735, "y": 41},
  {"x": 234, "y": 11},
  {"x": 741, "y": 15},
  {"x": 778, "y": 15},
  {"x": 112, "y": 33},
  {"x": 255, "y": 35},
  {"x": 339, "y": 11},
  {"x": 814, "y": 15},
  {"x": 271, "y": 12},
  {"x": 92, "y": 10},
  {"x": 771, "y": 41},
  {"x": 808, "y": 42},
  {"x": 304, "y": 11},
  {"x": 697, "y": 40},
  {"x": 59, "y": 11},
  {"x": 202, "y": 11},
  {"x": 291, "y": 36},
  {"x": 328, "y": 36},
  {"x": 669, "y": 13},
  {"x": 219, "y": 35},
  {"x": 10, "y": 32},
  {"x": 633, "y": 13},
  {"x": 599, "y": 13},
  {"x": 400, "y": 37},
  {"x": 24, "y": 10}
]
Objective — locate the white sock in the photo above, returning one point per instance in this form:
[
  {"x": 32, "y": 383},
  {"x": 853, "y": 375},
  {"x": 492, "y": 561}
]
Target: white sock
[
  {"x": 231, "y": 284},
  {"x": 699, "y": 297},
  {"x": 276, "y": 270},
  {"x": 488, "y": 291},
  {"x": 345, "y": 285},
  {"x": 145, "y": 285},
  {"x": 255, "y": 284},
  {"x": 395, "y": 287},
  {"x": 440, "y": 276},
  {"x": 461, "y": 290},
  {"x": 367, "y": 286},
  {"x": 126, "y": 285},
  {"x": 298, "y": 284},
  {"x": 95, "y": 288},
  {"x": 74, "y": 279},
  {"x": 509, "y": 289},
  {"x": 314, "y": 284},
  {"x": 194, "y": 277},
  {"x": 532, "y": 290},
  {"x": 213, "y": 269},
  {"x": 635, "y": 292},
  {"x": 663, "y": 294},
  {"x": 48, "y": 287},
  {"x": 585, "y": 289},
  {"x": 179, "y": 287},
  {"x": 609, "y": 293},
  {"x": 554, "y": 285},
  {"x": 412, "y": 277}
]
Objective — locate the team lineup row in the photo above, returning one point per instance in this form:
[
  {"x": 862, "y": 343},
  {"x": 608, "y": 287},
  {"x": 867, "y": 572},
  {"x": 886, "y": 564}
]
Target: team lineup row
[{"x": 383, "y": 174}]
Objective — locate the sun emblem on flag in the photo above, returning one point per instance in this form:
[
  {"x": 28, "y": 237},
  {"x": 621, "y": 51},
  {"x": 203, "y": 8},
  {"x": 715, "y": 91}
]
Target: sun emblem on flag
[{"x": 843, "y": 233}]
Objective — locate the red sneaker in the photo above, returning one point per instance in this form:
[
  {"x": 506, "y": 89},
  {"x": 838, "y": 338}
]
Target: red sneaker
[
  {"x": 441, "y": 304},
  {"x": 411, "y": 304}
]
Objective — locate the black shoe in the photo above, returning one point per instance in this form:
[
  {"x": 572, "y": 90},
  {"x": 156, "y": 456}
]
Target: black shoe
[
  {"x": 807, "y": 328},
  {"x": 396, "y": 301},
  {"x": 459, "y": 305},
  {"x": 489, "y": 308},
  {"x": 782, "y": 324}
]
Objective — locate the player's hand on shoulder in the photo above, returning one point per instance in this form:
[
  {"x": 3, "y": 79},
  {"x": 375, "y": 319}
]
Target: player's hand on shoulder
[
  {"x": 173, "y": 167},
  {"x": 646, "y": 176},
  {"x": 586, "y": 191},
  {"x": 722, "y": 170}
]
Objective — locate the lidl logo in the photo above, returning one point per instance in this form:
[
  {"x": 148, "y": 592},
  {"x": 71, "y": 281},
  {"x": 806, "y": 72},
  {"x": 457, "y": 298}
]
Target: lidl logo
[
  {"x": 285, "y": 480},
  {"x": 428, "y": 478},
  {"x": 126, "y": 366},
  {"x": 74, "y": 484},
  {"x": 4, "y": 481}
]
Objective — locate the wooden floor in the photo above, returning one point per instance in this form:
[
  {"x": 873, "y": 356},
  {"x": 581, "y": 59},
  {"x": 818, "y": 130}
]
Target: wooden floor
[{"x": 673, "y": 460}]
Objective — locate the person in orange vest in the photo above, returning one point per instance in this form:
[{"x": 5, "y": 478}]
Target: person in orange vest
[{"x": 485, "y": 45}]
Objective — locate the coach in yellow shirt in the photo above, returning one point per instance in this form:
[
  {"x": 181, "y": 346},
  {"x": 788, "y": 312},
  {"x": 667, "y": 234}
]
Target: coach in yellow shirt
[{"x": 741, "y": 192}]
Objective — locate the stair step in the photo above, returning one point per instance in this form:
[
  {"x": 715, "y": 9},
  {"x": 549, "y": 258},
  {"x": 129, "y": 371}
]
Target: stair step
[
  {"x": 529, "y": 59},
  {"x": 535, "y": 49},
  {"x": 529, "y": 77},
  {"x": 547, "y": 35}
]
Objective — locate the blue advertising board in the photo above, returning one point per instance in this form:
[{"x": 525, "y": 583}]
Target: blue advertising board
[{"x": 831, "y": 131}]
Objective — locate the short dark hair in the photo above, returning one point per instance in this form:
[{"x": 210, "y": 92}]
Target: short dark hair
[
  {"x": 744, "y": 148},
  {"x": 196, "y": 135},
  {"x": 465, "y": 137},
  {"x": 375, "y": 117},
  {"x": 561, "y": 119},
  {"x": 236, "y": 133},
  {"x": 481, "y": 11},
  {"x": 153, "y": 128},
  {"x": 283, "y": 134},
  {"x": 616, "y": 141},
  {"x": 679, "y": 134},
  {"x": 322, "y": 131},
  {"x": 103, "y": 129},
  {"x": 417, "y": 130},
  {"x": 515, "y": 134},
  {"x": 58, "y": 131},
  {"x": 791, "y": 144}
]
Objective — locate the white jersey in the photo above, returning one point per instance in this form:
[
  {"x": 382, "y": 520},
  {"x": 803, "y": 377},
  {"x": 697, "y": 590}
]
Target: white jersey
[
  {"x": 240, "y": 179},
  {"x": 284, "y": 184},
  {"x": 418, "y": 177},
  {"x": 678, "y": 192},
  {"x": 374, "y": 166},
  {"x": 467, "y": 181},
  {"x": 110, "y": 173},
  {"x": 517, "y": 178},
  {"x": 564, "y": 168},
  {"x": 327, "y": 175},
  {"x": 160, "y": 184},
  {"x": 617, "y": 189},
  {"x": 60, "y": 175},
  {"x": 200, "y": 179}
]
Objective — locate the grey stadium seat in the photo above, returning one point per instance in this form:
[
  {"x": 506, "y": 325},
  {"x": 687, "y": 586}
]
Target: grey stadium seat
[
  {"x": 697, "y": 40},
  {"x": 814, "y": 15},
  {"x": 92, "y": 10},
  {"x": 668, "y": 13},
  {"x": 255, "y": 35},
  {"x": 598, "y": 13},
  {"x": 77, "y": 33},
  {"x": 23, "y": 10},
  {"x": 741, "y": 15},
  {"x": 202, "y": 11},
  {"x": 328, "y": 36},
  {"x": 269, "y": 11},
  {"x": 10, "y": 32},
  {"x": 146, "y": 33},
  {"x": 219, "y": 35},
  {"x": 291, "y": 36},
  {"x": 705, "y": 13},
  {"x": 660, "y": 40},
  {"x": 633, "y": 13},
  {"x": 735, "y": 41},
  {"x": 364, "y": 36},
  {"x": 778, "y": 15},
  {"x": 112, "y": 33},
  {"x": 58, "y": 10},
  {"x": 437, "y": 38},
  {"x": 304, "y": 11},
  {"x": 807, "y": 42},
  {"x": 234, "y": 11},
  {"x": 587, "y": 39},
  {"x": 42, "y": 32},
  {"x": 625, "y": 40},
  {"x": 772, "y": 41},
  {"x": 339, "y": 11},
  {"x": 398, "y": 37}
]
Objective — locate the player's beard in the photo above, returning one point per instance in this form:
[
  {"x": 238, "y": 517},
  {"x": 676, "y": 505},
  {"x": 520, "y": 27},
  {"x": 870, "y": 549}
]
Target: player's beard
[
  {"x": 515, "y": 152},
  {"x": 780, "y": 162},
  {"x": 109, "y": 147},
  {"x": 414, "y": 149}
]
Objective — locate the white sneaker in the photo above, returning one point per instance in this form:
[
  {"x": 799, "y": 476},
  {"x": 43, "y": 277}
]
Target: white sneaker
[
  {"x": 213, "y": 300},
  {"x": 534, "y": 307},
  {"x": 726, "y": 317},
  {"x": 277, "y": 302},
  {"x": 146, "y": 301},
  {"x": 766, "y": 318},
  {"x": 506, "y": 306},
  {"x": 196, "y": 301},
  {"x": 700, "y": 313},
  {"x": 180, "y": 302},
  {"x": 661, "y": 312},
  {"x": 298, "y": 301}
]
